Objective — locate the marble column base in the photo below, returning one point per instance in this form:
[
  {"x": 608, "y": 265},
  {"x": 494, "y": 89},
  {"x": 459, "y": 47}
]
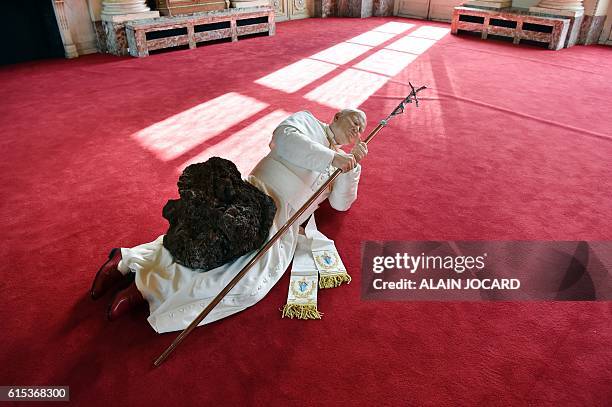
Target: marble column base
[
  {"x": 488, "y": 4},
  {"x": 124, "y": 7},
  {"x": 575, "y": 16},
  {"x": 122, "y": 18},
  {"x": 114, "y": 29}
]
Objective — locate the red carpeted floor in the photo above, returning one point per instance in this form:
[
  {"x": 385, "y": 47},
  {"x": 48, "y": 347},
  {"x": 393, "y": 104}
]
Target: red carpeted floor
[{"x": 510, "y": 142}]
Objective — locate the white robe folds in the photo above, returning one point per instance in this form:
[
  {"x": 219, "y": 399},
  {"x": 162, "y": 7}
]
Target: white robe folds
[{"x": 297, "y": 165}]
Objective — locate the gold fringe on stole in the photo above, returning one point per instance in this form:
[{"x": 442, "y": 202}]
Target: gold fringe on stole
[
  {"x": 301, "y": 311},
  {"x": 333, "y": 280}
]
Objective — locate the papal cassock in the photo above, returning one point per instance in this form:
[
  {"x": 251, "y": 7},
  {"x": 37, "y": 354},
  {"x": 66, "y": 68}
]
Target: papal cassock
[{"x": 299, "y": 162}]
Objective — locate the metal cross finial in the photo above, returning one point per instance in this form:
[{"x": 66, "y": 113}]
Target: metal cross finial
[{"x": 412, "y": 96}]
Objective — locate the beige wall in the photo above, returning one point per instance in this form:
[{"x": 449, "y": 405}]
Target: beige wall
[
  {"x": 595, "y": 7},
  {"x": 602, "y": 8},
  {"x": 95, "y": 9}
]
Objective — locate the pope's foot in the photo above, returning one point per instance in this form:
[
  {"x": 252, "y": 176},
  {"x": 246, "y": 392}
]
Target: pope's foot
[
  {"x": 124, "y": 302},
  {"x": 108, "y": 275}
]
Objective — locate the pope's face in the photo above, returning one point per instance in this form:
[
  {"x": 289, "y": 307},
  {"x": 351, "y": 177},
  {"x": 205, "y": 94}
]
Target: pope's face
[{"x": 349, "y": 127}]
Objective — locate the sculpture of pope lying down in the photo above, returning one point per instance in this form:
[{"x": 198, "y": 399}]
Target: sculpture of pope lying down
[{"x": 303, "y": 154}]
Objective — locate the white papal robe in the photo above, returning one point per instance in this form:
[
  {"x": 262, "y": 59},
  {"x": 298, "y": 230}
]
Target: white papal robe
[{"x": 299, "y": 162}]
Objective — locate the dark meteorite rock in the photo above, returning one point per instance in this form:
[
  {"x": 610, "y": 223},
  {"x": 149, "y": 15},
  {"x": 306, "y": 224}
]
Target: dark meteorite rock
[{"x": 218, "y": 218}]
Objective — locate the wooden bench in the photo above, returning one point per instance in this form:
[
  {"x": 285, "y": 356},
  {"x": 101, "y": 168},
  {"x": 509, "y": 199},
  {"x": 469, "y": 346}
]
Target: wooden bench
[
  {"x": 165, "y": 32},
  {"x": 517, "y": 24}
]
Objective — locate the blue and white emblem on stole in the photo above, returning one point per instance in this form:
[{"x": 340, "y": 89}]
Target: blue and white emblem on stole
[{"x": 327, "y": 260}]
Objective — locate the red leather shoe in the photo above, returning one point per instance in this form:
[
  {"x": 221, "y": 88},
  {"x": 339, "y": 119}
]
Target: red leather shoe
[
  {"x": 124, "y": 301},
  {"x": 108, "y": 275}
]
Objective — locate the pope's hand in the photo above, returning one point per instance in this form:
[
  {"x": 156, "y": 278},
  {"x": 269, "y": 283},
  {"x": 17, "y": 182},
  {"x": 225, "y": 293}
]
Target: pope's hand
[
  {"x": 360, "y": 150},
  {"x": 343, "y": 161}
]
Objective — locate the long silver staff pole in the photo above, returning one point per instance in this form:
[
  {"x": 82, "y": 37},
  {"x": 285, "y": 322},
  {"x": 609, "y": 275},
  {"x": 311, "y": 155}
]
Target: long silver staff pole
[{"x": 398, "y": 110}]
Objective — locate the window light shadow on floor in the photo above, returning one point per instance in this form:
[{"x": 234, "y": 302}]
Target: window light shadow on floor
[
  {"x": 245, "y": 147},
  {"x": 176, "y": 135},
  {"x": 357, "y": 83},
  {"x": 350, "y": 72}
]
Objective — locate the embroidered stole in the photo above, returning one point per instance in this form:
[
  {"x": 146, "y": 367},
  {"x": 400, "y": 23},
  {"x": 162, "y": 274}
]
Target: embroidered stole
[{"x": 316, "y": 264}]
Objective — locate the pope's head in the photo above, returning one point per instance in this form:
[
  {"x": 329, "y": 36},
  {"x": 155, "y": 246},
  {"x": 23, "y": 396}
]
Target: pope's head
[{"x": 347, "y": 126}]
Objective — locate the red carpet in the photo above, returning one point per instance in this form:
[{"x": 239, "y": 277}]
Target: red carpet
[{"x": 509, "y": 143}]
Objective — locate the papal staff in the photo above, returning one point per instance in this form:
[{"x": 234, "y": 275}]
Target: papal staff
[{"x": 412, "y": 97}]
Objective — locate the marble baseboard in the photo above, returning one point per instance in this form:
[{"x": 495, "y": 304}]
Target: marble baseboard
[
  {"x": 355, "y": 8},
  {"x": 329, "y": 8},
  {"x": 590, "y": 30},
  {"x": 366, "y": 8},
  {"x": 114, "y": 29},
  {"x": 317, "y": 8},
  {"x": 100, "y": 37},
  {"x": 116, "y": 41},
  {"x": 348, "y": 8},
  {"x": 574, "y": 31},
  {"x": 383, "y": 8}
]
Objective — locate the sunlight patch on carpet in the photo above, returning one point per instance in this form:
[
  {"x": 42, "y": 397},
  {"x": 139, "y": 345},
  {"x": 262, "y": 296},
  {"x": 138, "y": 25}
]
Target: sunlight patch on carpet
[
  {"x": 245, "y": 147},
  {"x": 297, "y": 75},
  {"x": 176, "y": 135},
  {"x": 349, "y": 89},
  {"x": 394, "y": 27},
  {"x": 386, "y": 62},
  {"x": 341, "y": 53},
  {"x": 371, "y": 38}
]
